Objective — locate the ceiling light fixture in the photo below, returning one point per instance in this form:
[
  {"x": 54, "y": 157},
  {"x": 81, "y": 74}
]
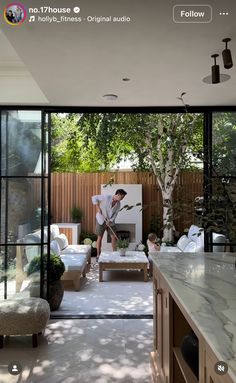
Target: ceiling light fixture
[
  {"x": 125, "y": 79},
  {"x": 110, "y": 97},
  {"x": 223, "y": 78},
  {"x": 215, "y": 70},
  {"x": 226, "y": 54}
]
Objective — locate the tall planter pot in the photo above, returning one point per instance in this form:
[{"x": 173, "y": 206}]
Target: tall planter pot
[{"x": 56, "y": 293}]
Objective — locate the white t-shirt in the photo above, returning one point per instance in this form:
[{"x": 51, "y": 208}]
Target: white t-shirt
[{"x": 109, "y": 212}]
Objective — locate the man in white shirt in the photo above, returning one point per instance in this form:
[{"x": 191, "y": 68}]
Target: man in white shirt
[{"x": 108, "y": 207}]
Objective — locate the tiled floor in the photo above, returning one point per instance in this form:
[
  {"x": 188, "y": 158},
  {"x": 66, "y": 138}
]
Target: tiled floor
[
  {"x": 122, "y": 292},
  {"x": 90, "y": 350},
  {"x": 83, "y": 351}
]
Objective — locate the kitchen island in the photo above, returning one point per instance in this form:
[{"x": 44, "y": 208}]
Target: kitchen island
[{"x": 194, "y": 293}]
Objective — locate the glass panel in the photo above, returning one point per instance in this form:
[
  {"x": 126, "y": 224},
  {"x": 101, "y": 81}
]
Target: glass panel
[
  {"x": 21, "y": 278},
  {"x": 21, "y": 156},
  {"x": 20, "y": 207},
  {"x": 2, "y": 272},
  {"x": 23, "y": 203},
  {"x": 224, "y": 144},
  {"x": 224, "y": 207}
]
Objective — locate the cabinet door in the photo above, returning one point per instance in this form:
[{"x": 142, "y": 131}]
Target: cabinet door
[
  {"x": 158, "y": 321},
  {"x": 166, "y": 335},
  {"x": 211, "y": 375}
]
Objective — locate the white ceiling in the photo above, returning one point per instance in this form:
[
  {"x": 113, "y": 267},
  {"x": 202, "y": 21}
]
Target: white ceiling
[{"x": 75, "y": 64}]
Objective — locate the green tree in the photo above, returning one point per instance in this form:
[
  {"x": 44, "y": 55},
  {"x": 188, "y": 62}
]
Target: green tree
[
  {"x": 161, "y": 143},
  {"x": 164, "y": 144},
  {"x": 86, "y": 142}
]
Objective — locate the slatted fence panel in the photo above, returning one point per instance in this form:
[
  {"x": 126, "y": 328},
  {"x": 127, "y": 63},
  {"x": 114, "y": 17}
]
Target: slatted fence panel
[{"x": 76, "y": 189}]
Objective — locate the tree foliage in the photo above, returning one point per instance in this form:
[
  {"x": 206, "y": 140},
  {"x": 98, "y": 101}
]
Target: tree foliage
[
  {"x": 161, "y": 143},
  {"x": 224, "y": 144},
  {"x": 98, "y": 141}
]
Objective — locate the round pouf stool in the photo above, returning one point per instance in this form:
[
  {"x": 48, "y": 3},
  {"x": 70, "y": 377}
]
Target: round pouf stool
[{"x": 23, "y": 316}]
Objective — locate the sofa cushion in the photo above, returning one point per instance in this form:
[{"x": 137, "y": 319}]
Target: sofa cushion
[
  {"x": 77, "y": 249},
  {"x": 54, "y": 231},
  {"x": 190, "y": 247},
  {"x": 55, "y": 248},
  {"x": 33, "y": 237},
  {"x": 195, "y": 232},
  {"x": 74, "y": 262},
  {"x": 183, "y": 242},
  {"x": 62, "y": 241}
]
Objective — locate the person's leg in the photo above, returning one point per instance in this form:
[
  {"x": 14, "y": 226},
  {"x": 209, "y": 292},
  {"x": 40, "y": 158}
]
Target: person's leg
[
  {"x": 100, "y": 230},
  {"x": 99, "y": 244},
  {"x": 113, "y": 237}
]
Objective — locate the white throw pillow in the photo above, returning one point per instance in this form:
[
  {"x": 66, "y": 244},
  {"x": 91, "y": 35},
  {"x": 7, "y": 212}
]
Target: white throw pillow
[
  {"x": 54, "y": 230},
  {"x": 196, "y": 234},
  {"x": 183, "y": 242},
  {"x": 62, "y": 241},
  {"x": 55, "y": 248}
]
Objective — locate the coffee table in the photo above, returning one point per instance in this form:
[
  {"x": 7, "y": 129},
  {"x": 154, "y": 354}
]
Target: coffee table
[{"x": 112, "y": 260}]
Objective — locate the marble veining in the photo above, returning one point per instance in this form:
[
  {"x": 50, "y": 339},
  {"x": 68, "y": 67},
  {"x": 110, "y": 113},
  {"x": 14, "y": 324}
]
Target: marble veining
[{"x": 205, "y": 285}]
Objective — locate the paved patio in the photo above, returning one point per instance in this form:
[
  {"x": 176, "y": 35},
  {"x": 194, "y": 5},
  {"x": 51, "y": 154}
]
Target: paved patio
[{"x": 122, "y": 292}]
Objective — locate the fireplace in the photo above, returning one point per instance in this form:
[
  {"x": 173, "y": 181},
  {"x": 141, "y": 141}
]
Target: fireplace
[{"x": 123, "y": 231}]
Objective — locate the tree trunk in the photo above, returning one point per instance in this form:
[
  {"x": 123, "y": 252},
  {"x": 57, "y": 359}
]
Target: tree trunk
[{"x": 168, "y": 225}]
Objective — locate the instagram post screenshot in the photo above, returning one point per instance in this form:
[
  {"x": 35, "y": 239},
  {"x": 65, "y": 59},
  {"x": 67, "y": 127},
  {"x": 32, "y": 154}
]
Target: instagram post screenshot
[{"x": 118, "y": 191}]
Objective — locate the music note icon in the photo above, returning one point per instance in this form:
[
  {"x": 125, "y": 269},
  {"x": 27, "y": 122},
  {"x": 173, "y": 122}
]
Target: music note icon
[{"x": 32, "y": 18}]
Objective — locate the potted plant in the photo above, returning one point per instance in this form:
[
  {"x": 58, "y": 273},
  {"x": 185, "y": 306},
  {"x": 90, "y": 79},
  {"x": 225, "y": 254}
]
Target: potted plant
[
  {"x": 122, "y": 245},
  {"x": 55, "y": 271},
  {"x": 76, "y": 214}
]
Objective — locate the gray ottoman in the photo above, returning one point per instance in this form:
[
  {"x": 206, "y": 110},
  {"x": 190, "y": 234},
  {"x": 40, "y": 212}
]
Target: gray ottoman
[{"x": 23, "y": 316}]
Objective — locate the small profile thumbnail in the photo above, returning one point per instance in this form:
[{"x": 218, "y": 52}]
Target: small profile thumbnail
[{"x": 15, "y": 14}]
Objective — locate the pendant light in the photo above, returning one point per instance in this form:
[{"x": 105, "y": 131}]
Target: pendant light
[
  {"x": 215, "y": 70},
  {"x": 226, "y": 54}
]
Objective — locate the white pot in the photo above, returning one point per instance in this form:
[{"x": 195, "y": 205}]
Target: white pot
[{"x": 122, "y": 252}]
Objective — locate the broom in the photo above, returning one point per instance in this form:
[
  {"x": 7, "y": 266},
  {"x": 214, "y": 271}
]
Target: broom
[{"x": 106, "y": 220}]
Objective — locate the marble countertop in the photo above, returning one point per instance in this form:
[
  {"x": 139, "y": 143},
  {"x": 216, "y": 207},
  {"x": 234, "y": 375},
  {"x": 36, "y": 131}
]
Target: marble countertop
[{"x": 205, "y": 284}]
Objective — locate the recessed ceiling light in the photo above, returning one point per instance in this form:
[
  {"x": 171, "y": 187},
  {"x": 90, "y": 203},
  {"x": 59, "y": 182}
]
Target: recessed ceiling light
[
  {"x": 125, "y": 79},
  {"x": 110, "y": 97}
]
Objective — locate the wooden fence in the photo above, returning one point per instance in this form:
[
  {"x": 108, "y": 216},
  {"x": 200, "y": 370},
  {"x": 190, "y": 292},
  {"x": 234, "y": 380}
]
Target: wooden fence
[{"x": 76, "y": 189}]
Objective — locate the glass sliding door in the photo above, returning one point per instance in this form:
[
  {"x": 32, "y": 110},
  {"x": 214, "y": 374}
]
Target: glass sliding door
[
  {"x": 222, "y": 177},
  {"x": 23, "y": 204}
]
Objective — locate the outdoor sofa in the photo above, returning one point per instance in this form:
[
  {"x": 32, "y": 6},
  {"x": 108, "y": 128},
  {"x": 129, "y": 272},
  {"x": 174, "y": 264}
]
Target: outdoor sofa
[
  {"x": 76, "y": 258},
  {"x": 193, "y": 242}
]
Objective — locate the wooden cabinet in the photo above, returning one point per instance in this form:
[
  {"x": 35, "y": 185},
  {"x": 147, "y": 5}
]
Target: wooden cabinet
[
  {"x": 160, "y": 355},
  {"x": 210, "y": 374},
  {"x": 171, "y": 323}
]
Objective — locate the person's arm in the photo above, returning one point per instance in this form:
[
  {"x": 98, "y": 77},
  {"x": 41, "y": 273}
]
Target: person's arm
[
  {"x": 157, "y": 246},
  {"x": 115, "y": 213},
  {"x": 96, "y": 199}
]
